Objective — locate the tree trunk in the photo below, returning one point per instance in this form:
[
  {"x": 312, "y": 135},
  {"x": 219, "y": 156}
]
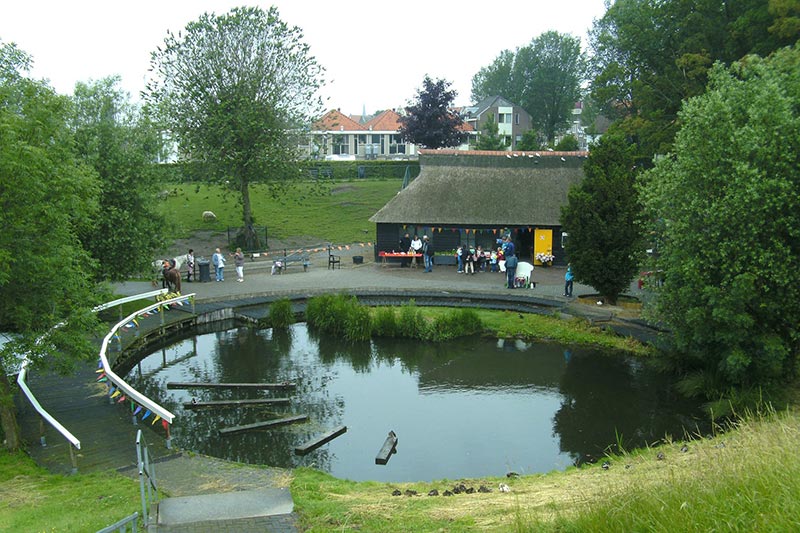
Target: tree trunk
[
  {"x": 8, "y": 417},
  {"x": 247, "y": 235}
]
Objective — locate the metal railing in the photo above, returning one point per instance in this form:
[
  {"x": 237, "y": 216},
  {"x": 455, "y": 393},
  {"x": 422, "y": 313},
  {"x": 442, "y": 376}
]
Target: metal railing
[
  {"x": 122, "y": 525},
  {"x": 148, "y": 487},
  {"x": 47, "y": 417}
]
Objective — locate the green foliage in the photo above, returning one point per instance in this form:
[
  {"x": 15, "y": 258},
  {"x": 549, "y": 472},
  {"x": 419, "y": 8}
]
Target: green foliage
[
  {"x": 544, "y": 77},
  {"x": 489, "y": 138},
  {"x": 650, "y": 56},
  {"x": 456, "y": 323},
  {"x": 281, "y": 314},
  {"x": 122, "y": 147},
  {"x": 530, "y": 141},
  {"x": 385, "y": 322},
  {"x": 429, "y": 121},
  {"x": 340, "y": 315},
  {"x": 412, "y": 322},
  {"x": 234, "y": 88},
  {"x": 605, "y": 245},
  {"x": 725, "y": 209},
  {"x": 568, "y": 143}
]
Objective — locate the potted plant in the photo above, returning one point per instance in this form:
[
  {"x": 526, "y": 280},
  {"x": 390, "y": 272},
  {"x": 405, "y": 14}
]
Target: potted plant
[{"x": 545, "y": 258}]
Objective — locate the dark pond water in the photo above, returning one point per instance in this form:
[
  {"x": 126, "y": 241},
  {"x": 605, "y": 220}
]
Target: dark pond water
[{"x": 468, "y": 408}]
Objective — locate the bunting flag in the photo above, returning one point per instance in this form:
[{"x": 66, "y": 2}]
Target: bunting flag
[
  {"x": 146, "y": 414},
  {"x": 138, "y": 408},
  {"x": 156, "y": 419},
  {"x": 121, "y": 399},
  {"x": 494, "y": 231},
  {"x": 135, "y": 322},
  {"x": 111, "y": 388},
  {"x": 164, "y": 423},
  {"x": 467, "y": 231},
  {"x": 101, "y": 376},
  {"x": 116, "y": 393},
  {"x": 116, "y": 336},
  {"x": 99, "y": 363},
  {"x": 100, "y": 369},
  {"x": 102, "y": 379},
  {"x": 346, "y": 247},
  {"x": 133, "y": 405}
]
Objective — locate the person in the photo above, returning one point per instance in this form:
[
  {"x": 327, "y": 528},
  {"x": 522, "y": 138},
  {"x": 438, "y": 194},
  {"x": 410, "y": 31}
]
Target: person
[
  {"x": 190, "y": 265},
  {"x": 511, "y": 269},
  {"x": 405, "y": 247},
  {"x": 493, "y": 261},
  {"x": 568, "y": 280},
  {"x": 460, "y": 259},
  {"x": 238, "y": 262},
  {"x": 479, "y": 259},
  {"x": 427, "y": 253},
  {"x": 469, "y": 261},
  {"x": 416, "y": 247},
  {"x": 501, "y": 259},
  {"x": 218, "y": 260}
]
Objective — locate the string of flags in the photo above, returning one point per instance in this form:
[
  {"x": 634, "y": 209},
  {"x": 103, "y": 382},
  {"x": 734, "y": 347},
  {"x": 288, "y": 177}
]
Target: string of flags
[
  {"x": 493, "y": 231},
  {"x": 339, "y": 247}
]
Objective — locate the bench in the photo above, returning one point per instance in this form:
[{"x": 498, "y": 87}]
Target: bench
[{"x": 279, "y": 264}]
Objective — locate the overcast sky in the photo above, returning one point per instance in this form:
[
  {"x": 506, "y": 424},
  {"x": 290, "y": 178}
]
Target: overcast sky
[{"x": 376, "y": 53}]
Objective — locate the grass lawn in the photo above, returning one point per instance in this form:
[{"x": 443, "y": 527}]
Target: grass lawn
[{"x": 338, "y": 214}]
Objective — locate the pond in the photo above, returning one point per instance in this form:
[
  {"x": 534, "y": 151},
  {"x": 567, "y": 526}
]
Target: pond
[{"x": 468, "y": 408}]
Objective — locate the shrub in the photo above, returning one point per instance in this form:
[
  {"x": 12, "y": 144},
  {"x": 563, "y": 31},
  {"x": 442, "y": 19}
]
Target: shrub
[
  {"x": 281, "y": 314},
  {"x": 456, "y": 323},
  {"x": 385, "y": 324},
  {"x": 412, "y": 324},
  {"x": 357, "y": 322}
]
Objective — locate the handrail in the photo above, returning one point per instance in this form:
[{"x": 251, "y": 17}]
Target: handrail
[
  {"x": 25, "y": 362},
  {"x": 120, "y": 383}
]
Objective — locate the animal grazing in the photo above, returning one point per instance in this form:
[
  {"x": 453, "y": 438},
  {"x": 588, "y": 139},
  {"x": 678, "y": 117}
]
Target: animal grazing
[{"x": 209, "y": 216}]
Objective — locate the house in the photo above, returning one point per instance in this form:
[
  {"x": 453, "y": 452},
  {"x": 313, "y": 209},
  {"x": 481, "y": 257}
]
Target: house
[
  {"x": 476, "y": 197},
  {"x": 338, "y": 136},
  {"x": 512, "y": 120}
]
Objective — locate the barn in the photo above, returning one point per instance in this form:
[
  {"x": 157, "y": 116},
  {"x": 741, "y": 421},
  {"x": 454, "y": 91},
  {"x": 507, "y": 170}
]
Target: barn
[{"x": 476, "y": 197}]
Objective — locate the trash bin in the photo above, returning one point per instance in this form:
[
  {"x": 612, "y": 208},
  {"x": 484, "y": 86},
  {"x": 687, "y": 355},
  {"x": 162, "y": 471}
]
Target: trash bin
[
  {"x": 205, "y": 270},
  {"x": 358, "y": 259}
]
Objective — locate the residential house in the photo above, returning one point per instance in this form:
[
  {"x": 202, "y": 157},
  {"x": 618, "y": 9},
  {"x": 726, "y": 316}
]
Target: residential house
[
  {"x": 337, "y": 136},
  {"x": 512, "y": 120},
  {"x": 515, "y": 193}
]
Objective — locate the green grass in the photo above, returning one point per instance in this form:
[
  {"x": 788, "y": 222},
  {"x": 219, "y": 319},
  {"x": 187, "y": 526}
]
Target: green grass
[
  {"x": 339, "y": 215},
  {"x": 31, "y": 499}
]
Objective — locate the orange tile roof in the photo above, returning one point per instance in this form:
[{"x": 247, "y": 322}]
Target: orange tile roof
[
  {"x": 389, "y": 120},
  {"x": 334, "y": 120}
]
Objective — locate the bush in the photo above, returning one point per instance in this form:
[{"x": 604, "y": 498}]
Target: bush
[
  {"x": 281, "y": 314},
  {"x": 412, "y": 324},
  {"x": 341, "y": 315},
  {"x": 456, "y": 323},
  {"x": 385, "y": 324},
  {"x": 357, "y": 322}
]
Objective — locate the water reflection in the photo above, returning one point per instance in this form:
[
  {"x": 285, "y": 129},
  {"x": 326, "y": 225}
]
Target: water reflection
[{"x": 466, "y": 408}]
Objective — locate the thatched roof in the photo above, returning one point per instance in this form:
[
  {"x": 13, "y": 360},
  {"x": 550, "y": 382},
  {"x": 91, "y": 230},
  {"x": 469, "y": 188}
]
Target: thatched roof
[{"x": 492, "y": 188}]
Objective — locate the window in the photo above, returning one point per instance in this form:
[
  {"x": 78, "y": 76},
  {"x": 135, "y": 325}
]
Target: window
[
  {"x": 396, "y": 144},
  {"x": 340, "y": 145},
  {"x": 504, "y": 118},
  {"x": 516, "y": 118}
]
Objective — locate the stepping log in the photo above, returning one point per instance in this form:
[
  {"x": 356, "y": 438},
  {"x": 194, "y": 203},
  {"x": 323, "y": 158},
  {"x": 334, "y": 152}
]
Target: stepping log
[
  {"x": 319, "y": 441},
  {"x": 197, "y": 385},
  {"x": 263, "y": 425},
  {"x": 236, "y": 403},
  {"x": 389, "y": 447}
]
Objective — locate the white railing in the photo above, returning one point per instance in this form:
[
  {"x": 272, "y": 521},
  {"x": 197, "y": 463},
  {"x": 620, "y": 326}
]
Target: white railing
[
  {"x": 21, "y": 377},
  {"x": 118, "y": 382}
]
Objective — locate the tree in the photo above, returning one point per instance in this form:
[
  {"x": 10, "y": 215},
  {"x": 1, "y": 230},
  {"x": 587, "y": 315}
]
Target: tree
[
  {"x": 47, "y": 198},
  {"x": 429, "y": 121},
  {"x": 237, "y": 91},
  {"x": 488, "y": 138},
  {"x": 530, "y": 141},
  {"x": 726, "y": 208},
  {"x": 543, "y": 77},
  {"x": 604, "y": 241},
  {"x": 650, "y": 56},
  {"x": 123, "y": 147},
  {"x": 568, "y": 143}
]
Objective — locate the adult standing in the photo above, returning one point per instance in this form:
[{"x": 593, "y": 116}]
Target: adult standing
[
  {"x": 416, "y": 246},
  {"x": 511, "y": 268},
  {"x": 427, "y": 253},
  {"x": 238, "y": 262},
  {"x": 218, "y": 260},
  {"x": 568, "y": 281},
  {"x": 405, "y": 247},
  {"x": 190, "y": 265}
]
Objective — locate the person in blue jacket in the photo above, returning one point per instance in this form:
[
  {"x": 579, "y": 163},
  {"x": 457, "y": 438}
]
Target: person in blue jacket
[{"x": 568, "y": 277}]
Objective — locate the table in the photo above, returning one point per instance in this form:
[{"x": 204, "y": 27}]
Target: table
[{"x": 402, "y": 255}]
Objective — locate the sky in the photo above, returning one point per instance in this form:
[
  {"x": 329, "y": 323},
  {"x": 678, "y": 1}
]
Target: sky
[{"x": 375, "y": 53}]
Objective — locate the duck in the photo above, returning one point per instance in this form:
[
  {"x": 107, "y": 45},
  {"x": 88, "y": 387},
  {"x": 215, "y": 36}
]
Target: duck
[
  {"x": 434, "y": 492},
  {"x": 396, "y": 492},
  {"x": 484, "y": 489},
  {"x": 504, "y": 488}
]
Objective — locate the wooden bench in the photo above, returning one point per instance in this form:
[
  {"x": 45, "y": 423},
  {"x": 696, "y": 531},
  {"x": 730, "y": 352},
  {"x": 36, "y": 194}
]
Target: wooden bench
[{"x": 279, "y": 264}]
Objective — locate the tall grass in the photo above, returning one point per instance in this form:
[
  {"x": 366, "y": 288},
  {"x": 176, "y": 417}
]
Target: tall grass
[{"x": 281, "y": 314}]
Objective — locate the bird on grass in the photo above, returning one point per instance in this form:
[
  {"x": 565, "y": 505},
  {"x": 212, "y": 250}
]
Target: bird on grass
[{"x": 504, "y": 488}]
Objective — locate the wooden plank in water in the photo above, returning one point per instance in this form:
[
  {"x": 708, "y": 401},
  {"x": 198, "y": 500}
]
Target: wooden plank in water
[
  {"x": 389, "y": 447},
  {"x": 236, "y": 403},
  {"x": 199, "y": 385},
  {"x": 313, "y": 444},
  {"x": 263, "y": 425}
]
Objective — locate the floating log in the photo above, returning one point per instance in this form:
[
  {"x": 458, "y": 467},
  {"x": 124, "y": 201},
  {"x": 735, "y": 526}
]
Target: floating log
[
  {"x": 263, "y": 425},
  {"x": 199, "y": 385},
  {"x": 389, "y": 447},
  {"x": 236, "y": 403},
  {"x": 313, "y": 444}
]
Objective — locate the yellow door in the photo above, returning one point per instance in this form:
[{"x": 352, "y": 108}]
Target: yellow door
[{"x": 542, "y": 243}]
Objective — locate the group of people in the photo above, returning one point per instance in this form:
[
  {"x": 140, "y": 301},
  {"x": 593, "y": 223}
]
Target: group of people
[
  {"x": 218, "y": 260},
  {"x": 415, "y": 247}
]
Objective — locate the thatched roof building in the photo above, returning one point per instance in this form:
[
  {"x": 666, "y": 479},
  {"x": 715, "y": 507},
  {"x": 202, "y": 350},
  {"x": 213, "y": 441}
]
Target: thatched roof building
[{"x": 475, "y": 196}]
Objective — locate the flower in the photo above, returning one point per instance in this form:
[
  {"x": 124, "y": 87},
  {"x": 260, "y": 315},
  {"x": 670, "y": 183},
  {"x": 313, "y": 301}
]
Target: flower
[{"x": 545, "y": 257}]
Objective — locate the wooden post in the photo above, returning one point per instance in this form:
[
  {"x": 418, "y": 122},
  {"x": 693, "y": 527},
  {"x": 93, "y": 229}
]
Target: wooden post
[
  {"x": 389, "y": 447},
  {"x": 313, "y": 444},
  {"x": 200, "y": 385},
  {"x": 263, "y": 425},
  {"x": 236, "y": 403}
]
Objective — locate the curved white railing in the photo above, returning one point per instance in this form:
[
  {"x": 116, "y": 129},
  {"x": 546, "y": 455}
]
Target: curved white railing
[
  {"x": 125, "y": 389},
  {"x": 23, "y": 372}
]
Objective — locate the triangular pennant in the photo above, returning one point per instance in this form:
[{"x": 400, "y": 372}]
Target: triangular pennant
[
  {"x": 133, "y": 406},
  {"x": 102, "y": 379},
  {"x": 121, "y": 399},
  {"x": 116, "y": 393},
  {"x": 156, "y": 419},
  {"x": 100, "y": 369},
  {"x": 101, "y": 376},
  {"x": 138, "y": 408},
  {"x": 146, "y": 414},
  {"x": 99, "y": 364},
  {"x": 164, "y": 423}
]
